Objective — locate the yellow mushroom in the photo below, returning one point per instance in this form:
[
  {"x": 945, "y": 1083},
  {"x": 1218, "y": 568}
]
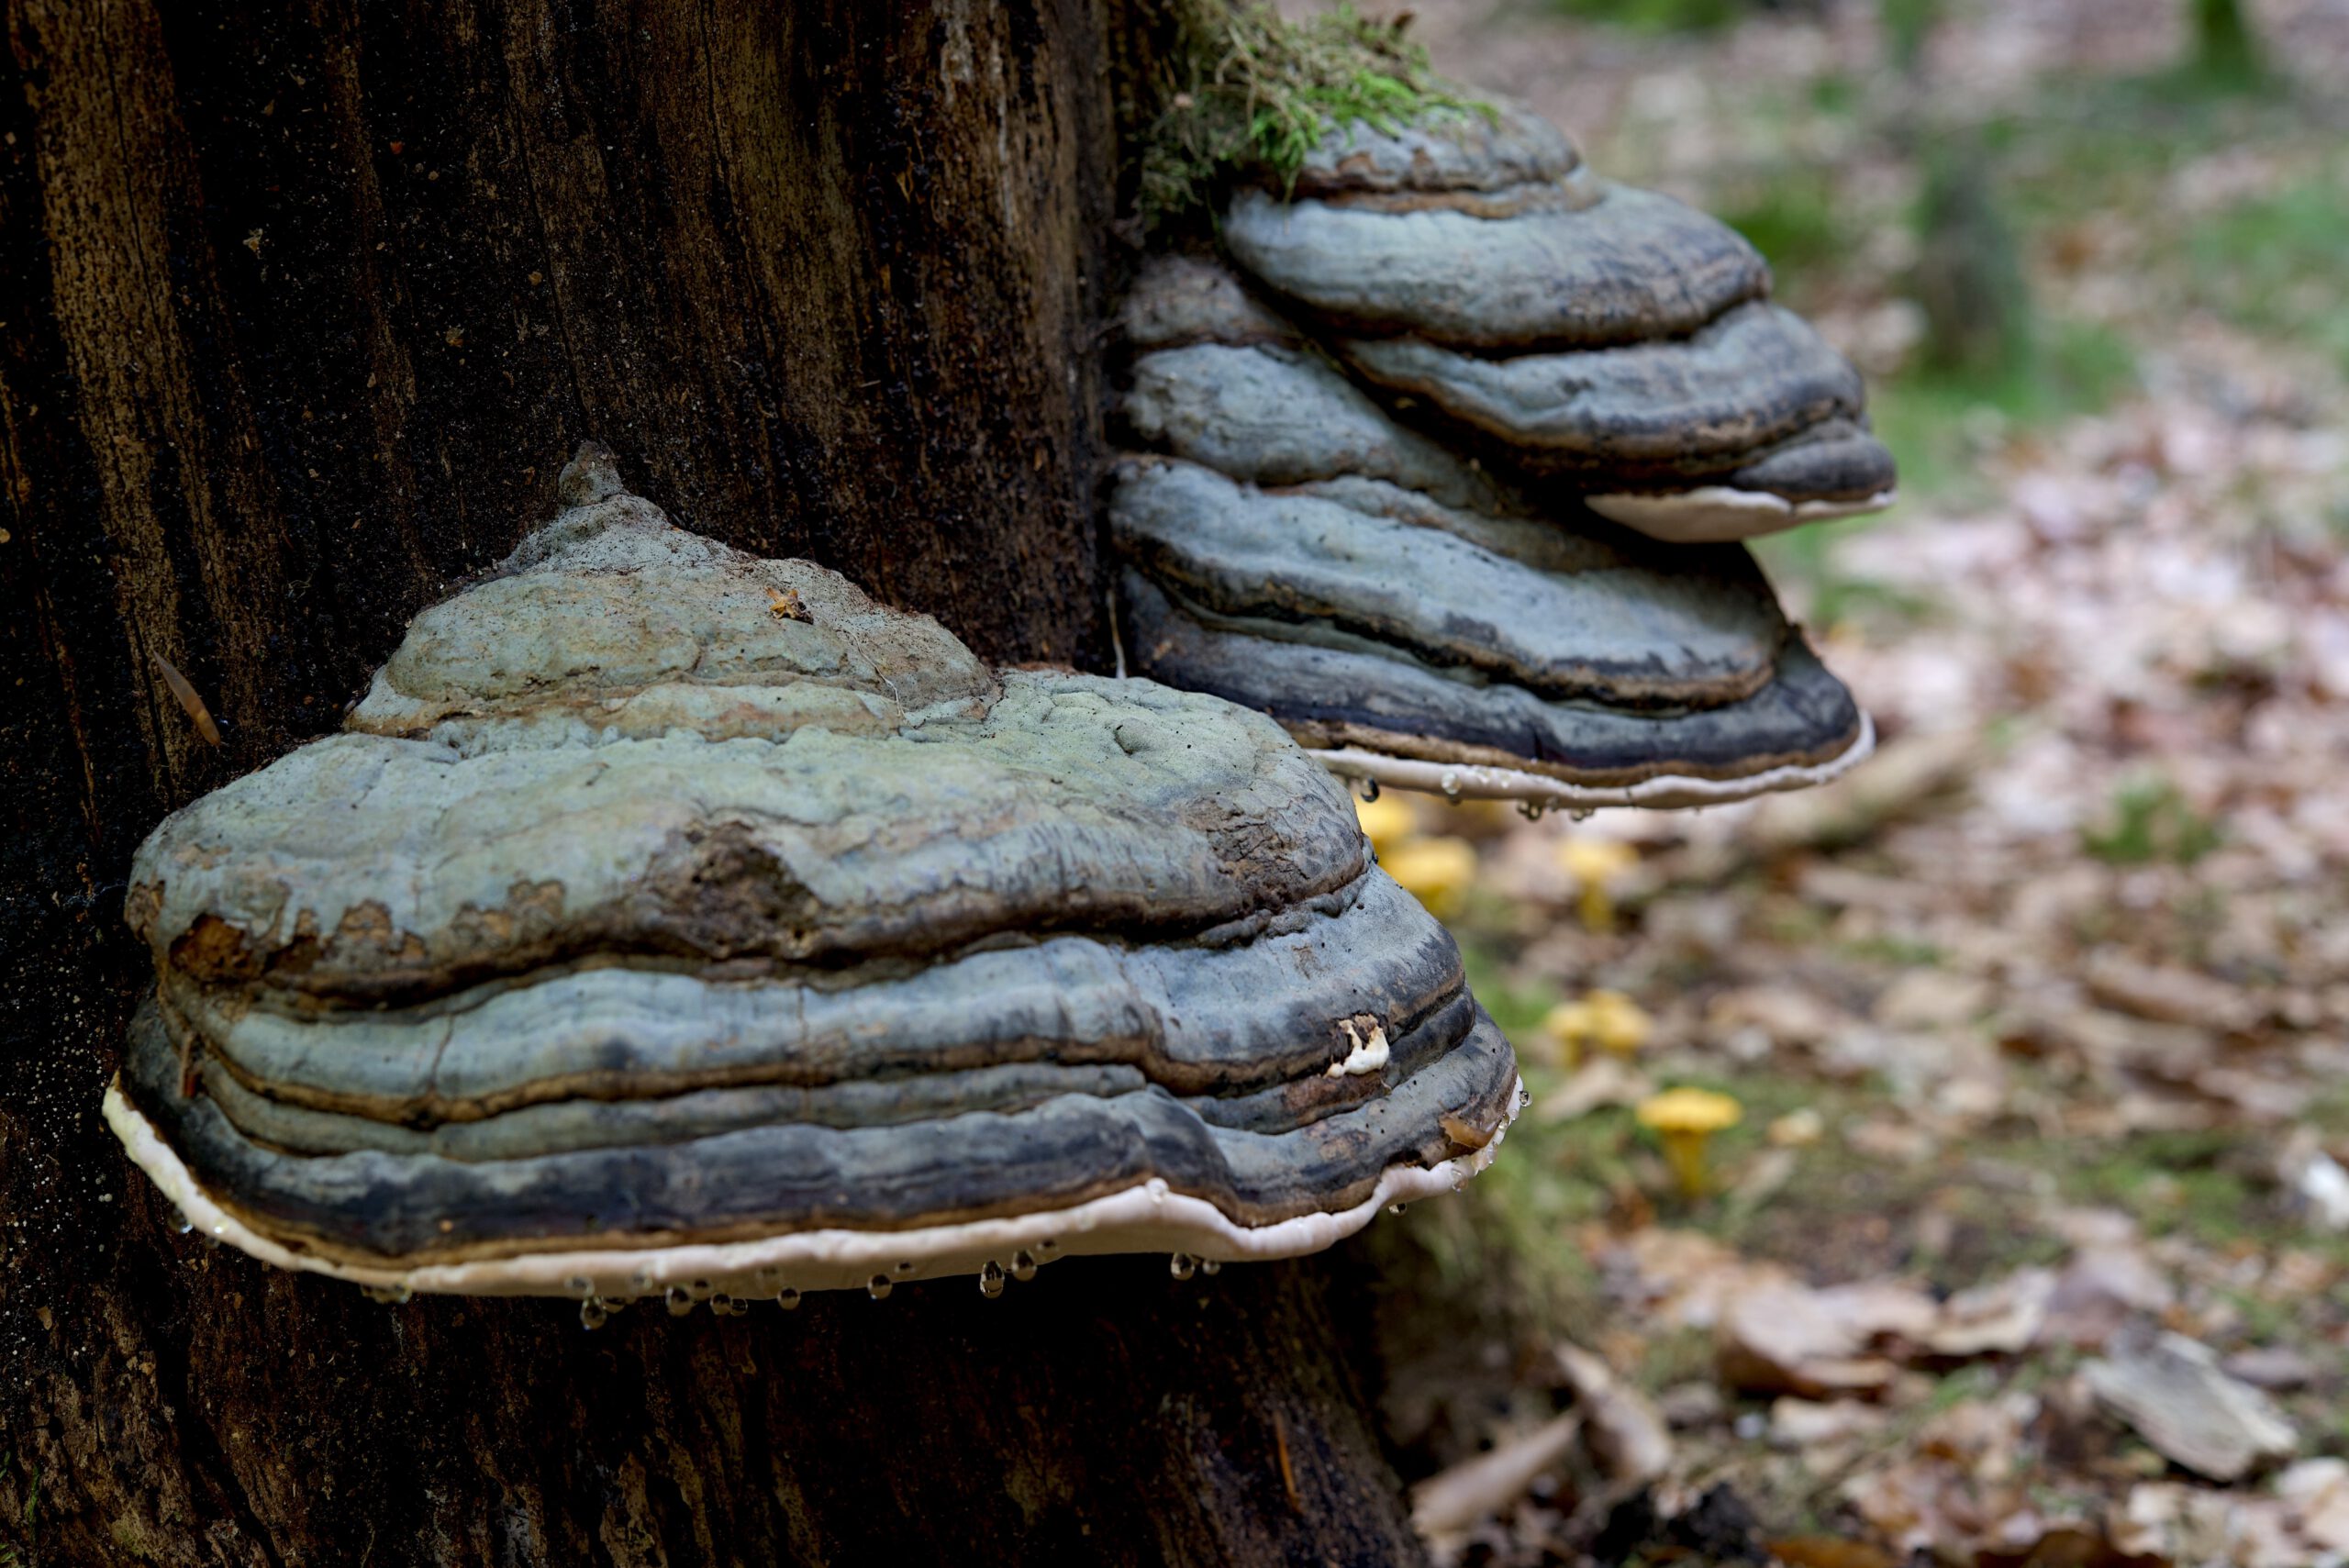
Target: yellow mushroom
[
  {"x": 1436, "y": 871},
  {"x": 1567, "y": 1029},
  {"x": 1388, "y": 822},
  {"x": 1596, "y": 865},
  {"x": 1683, "y": 1120},
  {"x": 1603, "y": 1020}
]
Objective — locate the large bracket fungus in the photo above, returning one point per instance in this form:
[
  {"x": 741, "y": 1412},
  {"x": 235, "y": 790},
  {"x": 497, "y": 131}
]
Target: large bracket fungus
[
  {"x": 1448, "y": 480},
  {"x": 1569, "y": 328},
  {"x": 670, "y": 920}
]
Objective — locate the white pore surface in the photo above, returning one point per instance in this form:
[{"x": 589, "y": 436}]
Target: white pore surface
[
  {"x": 1148, "y": 1218},
  {"x": 1717, "y": 514},
  {"x": 1465, "y": 781}
]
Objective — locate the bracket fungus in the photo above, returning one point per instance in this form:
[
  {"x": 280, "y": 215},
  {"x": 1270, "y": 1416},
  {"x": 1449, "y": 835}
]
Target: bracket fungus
[
  {"x": 1446, "y": 475},
  {"x": 671, "y": 922},
  {"x": 1571, "y": 328},
  {"x": 1422, "y": 620}
]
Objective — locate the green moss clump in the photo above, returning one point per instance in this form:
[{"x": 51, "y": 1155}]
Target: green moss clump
[{"x": 1249, "y": 92}]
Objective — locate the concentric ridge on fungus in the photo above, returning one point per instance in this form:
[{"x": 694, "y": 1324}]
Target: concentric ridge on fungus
[
  {"x": 1566, "y": 329},
  {"x": 669, "y": 917},
  {"x": 1421, "y": 619}
]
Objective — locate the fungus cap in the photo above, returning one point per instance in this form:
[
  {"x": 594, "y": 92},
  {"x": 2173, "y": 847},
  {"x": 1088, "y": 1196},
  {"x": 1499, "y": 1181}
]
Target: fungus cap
[
  {"x": 1689, "y": 1110},
  {"x": 1574, "y": 330},
  {"x": 667, "y": 916},
  {"x": 1418, "y": 621}
]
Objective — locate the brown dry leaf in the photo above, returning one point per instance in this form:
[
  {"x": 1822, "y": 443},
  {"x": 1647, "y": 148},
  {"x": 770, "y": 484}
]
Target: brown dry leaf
[
  {"x": 1789, "y": 1338},
  {"x": 2168, "y": 995},
  {"x": 2316, "y": 1491},
  {"x": 2002, "y": 1317},
  {"x": 1809, "y": 1424},
  {"x": 1451, "y": 1502},
  {"x": 1624, "y": 1432},
  {"x": 1829, "y": 1552},
  {"x": 2173, "y": 1393},
  {"x": 1601, "y": 1081}
]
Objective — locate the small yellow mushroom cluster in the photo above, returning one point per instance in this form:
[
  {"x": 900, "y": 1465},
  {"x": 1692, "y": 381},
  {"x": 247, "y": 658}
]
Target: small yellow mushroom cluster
[
  {"x": 1601, "y": 1020},
  {"x": 1436, "y": 870},
  {"x": 1598, "y": 866}
]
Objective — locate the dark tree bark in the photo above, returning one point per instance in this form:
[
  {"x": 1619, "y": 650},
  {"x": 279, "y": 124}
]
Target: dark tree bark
[{"x": 301, "y": 305}]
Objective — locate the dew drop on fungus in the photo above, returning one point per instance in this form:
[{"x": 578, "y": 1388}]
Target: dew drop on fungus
[
  {"x": 592, "y": 1314},
  {"x": 905, "y": 1268},
  {"x": 702, "y": 1290},
  {"x": 786, "y": 1298},
  {"x": 1048, "y": 1246},
  {"x": 1210, "y": 1266},
  {"x": 991, "y": 1279},
  {"x": 1181, "y": 1265},
  {"x": 1369, "y": 790},
  {"x": 1394, "y": 1208},
  {"x": 1023, "y": 1267},
  {"x": 680, "y": 1300},
  {"x": 722, "y": 1305},
  {"x": 579, "y": 1286},
  {"x": 879, "y": 1287}
]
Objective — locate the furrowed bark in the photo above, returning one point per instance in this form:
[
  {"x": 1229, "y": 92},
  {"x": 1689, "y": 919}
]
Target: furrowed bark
[{"x": 301, "y": 307}]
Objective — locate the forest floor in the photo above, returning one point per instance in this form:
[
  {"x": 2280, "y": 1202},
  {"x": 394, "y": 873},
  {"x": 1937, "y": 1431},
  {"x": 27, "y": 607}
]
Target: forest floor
[{"x": 2032, "y": 1245}]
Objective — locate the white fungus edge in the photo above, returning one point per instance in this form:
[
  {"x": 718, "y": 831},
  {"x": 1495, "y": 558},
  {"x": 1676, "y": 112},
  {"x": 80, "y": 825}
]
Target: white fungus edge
[
  {"x": 1722, "y": 514},
  {"x": 1147, "y": 1217},
  {"x": 1468, "y": 781}
]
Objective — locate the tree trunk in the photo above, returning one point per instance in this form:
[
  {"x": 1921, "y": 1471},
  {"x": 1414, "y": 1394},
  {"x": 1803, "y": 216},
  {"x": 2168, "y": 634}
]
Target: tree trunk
[{"x": 301, "y": 307}]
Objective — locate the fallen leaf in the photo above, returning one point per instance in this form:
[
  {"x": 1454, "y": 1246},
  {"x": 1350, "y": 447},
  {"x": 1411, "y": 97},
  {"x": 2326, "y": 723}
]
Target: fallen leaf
[
  {"x": 1624, "y": 1432},
  {"x": 1449, "y": 1502},
  {"x": 2174, "y": 1395}
]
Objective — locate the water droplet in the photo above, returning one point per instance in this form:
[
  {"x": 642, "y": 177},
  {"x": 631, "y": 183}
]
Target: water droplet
[
  {"x": 905, "y": 1268},
  {"x": 186, "y": 1226},
  {"x": 1210, "y": 1266},
  {"x": 680, "y": 1300},
  {"x": 991, "y": 1279},
  {"x": 1582, "y": 813},
  {"x": 1048, "y": 1246},
  {"x": 702, "y": 1290},
  {"x": 1531, "y": 810},
  {"x": 642, "y": 1280},
  {"x": 616, "y": 1303},
  {"x": 1182, "y": 1265},
  {"x": 592, "y": 1314},
  {"x": 1369, "y": 789},
  {"x": 724, "y": 1306},
  {"x": 1524, "y": 1096},
  {"x": 1023, "y": 1267},
  {"x": 879, "y": 1287},
  {"x": 1450, "y": 784},
  {"x": 786, "y": 1298},
  {"x": 579, "y": 1285},
  {"x": 1394, "y": 1208}
]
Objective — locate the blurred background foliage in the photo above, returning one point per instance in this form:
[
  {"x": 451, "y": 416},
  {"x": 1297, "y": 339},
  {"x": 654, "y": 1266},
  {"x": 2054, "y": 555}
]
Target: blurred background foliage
[{"x": 2061, "y": 977}]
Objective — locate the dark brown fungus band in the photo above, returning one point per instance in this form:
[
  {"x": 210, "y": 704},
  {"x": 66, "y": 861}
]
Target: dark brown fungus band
[
  {"x": 1414, "y": 616},
  {"x": 1569, "y": 329},
  {"x": 670, "y": 919}
]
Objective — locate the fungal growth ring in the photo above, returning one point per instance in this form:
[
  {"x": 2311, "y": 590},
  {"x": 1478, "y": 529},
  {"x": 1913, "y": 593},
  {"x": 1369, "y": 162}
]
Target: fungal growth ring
[
  {"x": 1442, "y": 459},
  {"x": 667, "y": 920}
]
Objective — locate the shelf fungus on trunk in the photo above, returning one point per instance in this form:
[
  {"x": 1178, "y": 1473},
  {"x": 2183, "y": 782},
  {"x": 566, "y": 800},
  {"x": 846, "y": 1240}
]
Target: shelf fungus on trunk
[
  {"x": 1608, "y": 339},
  {"x": 1416, "y": 618},
  {"x": 670, "y": 921}
]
